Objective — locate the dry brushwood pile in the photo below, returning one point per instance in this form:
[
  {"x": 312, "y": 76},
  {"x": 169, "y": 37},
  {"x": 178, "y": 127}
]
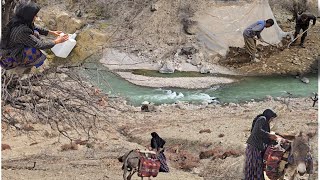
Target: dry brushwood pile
[{"x": 58, "y": 97}]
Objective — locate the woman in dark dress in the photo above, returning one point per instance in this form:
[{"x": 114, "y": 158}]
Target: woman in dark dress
[
  {"x": 20, "y": 42},
  {"x": 157, "y": 144},
  {"x": 257, "y": 142}
]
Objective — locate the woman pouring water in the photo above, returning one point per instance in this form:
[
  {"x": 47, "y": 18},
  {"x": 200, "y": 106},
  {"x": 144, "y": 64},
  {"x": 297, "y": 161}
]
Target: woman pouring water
[{"x": 21, "y": 44}]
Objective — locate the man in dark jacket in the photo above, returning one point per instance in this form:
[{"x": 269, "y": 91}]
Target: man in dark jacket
[{"x": 302, "y": 22}]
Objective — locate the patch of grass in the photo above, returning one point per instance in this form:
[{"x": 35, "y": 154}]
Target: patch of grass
[
  {"x": 153, "y": 73},
  {"x": 103, "y": 25},
  {"x": 67, "y": 147}
]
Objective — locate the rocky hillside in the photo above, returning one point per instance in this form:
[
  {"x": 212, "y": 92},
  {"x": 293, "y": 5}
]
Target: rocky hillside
[{"x": 164, "y": 31}]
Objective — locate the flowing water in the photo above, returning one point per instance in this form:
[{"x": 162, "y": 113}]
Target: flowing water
[{"x": 249, "y": 88}]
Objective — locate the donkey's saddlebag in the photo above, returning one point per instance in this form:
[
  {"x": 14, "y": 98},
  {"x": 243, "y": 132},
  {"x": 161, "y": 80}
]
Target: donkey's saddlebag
[{"x": 148, "y": 167}]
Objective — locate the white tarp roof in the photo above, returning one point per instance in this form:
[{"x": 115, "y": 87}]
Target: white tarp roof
[{"x": 222, "y": 25}]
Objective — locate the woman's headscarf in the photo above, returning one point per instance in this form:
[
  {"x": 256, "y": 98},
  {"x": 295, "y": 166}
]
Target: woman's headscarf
[
  {"x": 24, "y": 14},
  {"x": 268, "y": 114},
  {"x": 157, "y": 139}
]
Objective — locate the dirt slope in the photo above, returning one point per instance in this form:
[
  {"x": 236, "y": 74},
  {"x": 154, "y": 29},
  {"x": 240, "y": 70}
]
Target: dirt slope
[{"x": 131, "y": 129}]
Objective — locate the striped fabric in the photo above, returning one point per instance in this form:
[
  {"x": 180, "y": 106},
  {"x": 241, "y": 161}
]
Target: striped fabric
[
  {"x": 22, "y": 36},
  {"x": 163, "y": 164},
  {"x": 254, "y": 164},
  {"x": 31, "y": 57}
]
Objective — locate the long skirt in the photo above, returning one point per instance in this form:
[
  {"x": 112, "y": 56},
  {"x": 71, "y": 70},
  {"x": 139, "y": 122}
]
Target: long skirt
[
  {"x": 30, "y": 57},
  {"x": 253, "y": 164},
  {"x": 163, "y": 164}
]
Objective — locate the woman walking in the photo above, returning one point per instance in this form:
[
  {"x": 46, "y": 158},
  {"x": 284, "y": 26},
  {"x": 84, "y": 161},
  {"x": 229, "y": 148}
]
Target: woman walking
[{"x": 157, "y": 144}]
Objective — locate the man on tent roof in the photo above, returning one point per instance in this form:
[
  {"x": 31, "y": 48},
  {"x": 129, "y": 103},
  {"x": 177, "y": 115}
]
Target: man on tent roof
[{"x": 249, "y": 37}]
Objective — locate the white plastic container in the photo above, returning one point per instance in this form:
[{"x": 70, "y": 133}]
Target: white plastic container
[{"x": 64, "y": 49}]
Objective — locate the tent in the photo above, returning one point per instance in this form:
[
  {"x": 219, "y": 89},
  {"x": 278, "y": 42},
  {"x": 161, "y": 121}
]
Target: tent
[{"x": 221, "y": 26}]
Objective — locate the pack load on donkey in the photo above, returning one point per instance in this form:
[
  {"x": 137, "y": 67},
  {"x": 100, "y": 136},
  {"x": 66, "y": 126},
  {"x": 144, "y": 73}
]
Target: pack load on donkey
[
  {"x": 276, "y": 159},
  {"x": 149, "y": 164},
  {"x": 294, "y": 155}
]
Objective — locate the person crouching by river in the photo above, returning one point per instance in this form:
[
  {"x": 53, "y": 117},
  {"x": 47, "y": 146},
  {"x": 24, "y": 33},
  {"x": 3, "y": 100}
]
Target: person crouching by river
[
  {"x": 20, "y": 43},
  {"x": 157, "y": 144},
  {"x": 257, "y": 143}
]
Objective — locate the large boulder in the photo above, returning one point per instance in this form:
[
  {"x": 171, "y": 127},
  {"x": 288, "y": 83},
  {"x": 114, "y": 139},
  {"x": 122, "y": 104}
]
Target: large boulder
[
  {"x": 205, "y": 69},
  {"x": 89, "y": 42},
  {"x": 62, "y": 21},
  {"x": 167, "y": 67},
  {"x": 68, "y": 24}
]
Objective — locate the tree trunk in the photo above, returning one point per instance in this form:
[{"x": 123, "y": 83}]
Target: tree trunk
[{"x": 7, "y": 11}]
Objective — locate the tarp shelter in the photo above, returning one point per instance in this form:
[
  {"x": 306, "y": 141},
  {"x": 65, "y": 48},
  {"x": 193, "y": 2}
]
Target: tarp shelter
[{"x": 221, "y": 26}]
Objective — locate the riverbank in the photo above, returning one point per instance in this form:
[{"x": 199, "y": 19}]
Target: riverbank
[
  {"x": 188, "y": 130},
  {"x": 245, "y": 89},
  {"x": 120, "y": 61}
]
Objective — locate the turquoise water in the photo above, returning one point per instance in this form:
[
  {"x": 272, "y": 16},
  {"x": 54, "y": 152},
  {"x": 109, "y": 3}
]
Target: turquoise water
[{"x": 250, "y": 88}]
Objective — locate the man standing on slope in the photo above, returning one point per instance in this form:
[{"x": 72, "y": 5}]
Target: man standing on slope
[
  {"x": 302, "y": 22},
  {"x": 249, "y": 37}
]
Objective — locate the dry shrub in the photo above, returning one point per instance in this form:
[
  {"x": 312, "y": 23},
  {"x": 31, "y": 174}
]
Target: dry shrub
[
  {"x": 81, "y": 142},
  {"x": 210, "y": 153},
  {"x": 27, "y": 127},
  {"x": 5, "y": 146},
  {"x": 71, "y": 146},
  {"x": 293, "y": 6},
  {"x": 220, "y": 153},
  {"x": 184, "y": 160}
]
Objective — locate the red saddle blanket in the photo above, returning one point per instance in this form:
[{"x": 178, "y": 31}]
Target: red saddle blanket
[
  {"x": 148, "y": 167},
  {"x": 275, "y": 159}
]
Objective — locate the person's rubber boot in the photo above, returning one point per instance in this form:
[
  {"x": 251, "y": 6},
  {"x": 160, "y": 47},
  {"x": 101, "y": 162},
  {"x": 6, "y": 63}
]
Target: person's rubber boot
[
  {"x": 254, "y": 59},
  {"x": 302, "y": 46}
]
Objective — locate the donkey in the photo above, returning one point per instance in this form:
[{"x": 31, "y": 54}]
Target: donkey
[
  {"x": 130, "y": 162},
  {"x": 300, "y": 157}
]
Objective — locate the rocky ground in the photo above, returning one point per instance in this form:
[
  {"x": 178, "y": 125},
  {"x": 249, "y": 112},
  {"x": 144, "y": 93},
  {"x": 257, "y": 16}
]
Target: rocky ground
[
  {"x": 155, "y": 31},
  {"x": 188, "y": 130},
  {"x": 282, "y": 60},
  {"x": 161, "y": 35}
]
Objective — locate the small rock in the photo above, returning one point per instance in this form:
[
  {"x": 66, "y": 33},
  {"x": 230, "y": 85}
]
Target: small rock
[
  {"x": 232, "y": 104},
  {"x": 145, "y": 102},
  {"x": 195, "y": 171},
  {"x": 5, "y": 147},
  {"x": 221, "y": 135},
  {"x": 205, "y": 69},
  {"x": 189, "y": 50},
  {"x": 78, "y": 13},
  {"x": 145, "y": 108},
  {"x": 153, "y": 8},
  {"x": 205, "y": 131},
  {"x": 216, "y": 59},
  {"x": 305, "y": 80},
  {"x": 205, "y": 103},
  {"x": 269, "y": 98},
  {"x": 296, "y": 62}
]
